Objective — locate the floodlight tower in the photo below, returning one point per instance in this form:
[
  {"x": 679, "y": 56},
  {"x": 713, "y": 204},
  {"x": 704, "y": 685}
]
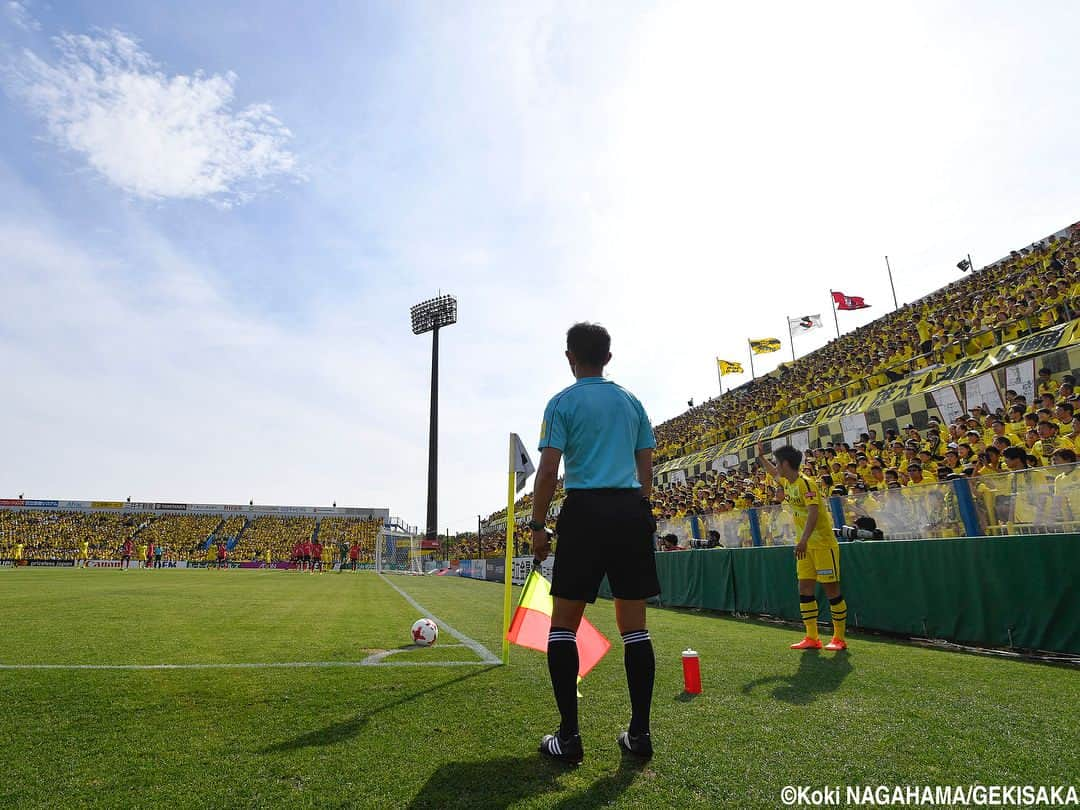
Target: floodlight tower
[{"x": 431, "y": 316}]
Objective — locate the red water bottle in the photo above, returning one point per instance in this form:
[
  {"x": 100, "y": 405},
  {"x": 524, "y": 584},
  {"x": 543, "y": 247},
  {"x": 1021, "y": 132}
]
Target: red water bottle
[{"x": 691, "y": 672}]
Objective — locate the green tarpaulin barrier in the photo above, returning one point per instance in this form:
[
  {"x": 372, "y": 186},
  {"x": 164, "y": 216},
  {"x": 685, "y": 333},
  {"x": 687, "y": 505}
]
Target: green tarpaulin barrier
[{"x": 1021, "y": 592}]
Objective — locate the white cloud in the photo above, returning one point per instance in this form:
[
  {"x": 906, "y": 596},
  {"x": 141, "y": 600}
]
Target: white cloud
[
  {"x": 20, "y": 15},
  {"x": 154, "y": 135}
]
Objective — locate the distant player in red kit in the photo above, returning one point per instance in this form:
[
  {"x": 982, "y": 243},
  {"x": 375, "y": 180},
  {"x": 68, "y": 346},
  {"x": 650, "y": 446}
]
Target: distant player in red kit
[
  {"x": 298, "y": 554},
  {"x": 354, "y": 555},
  {"x": 306, "y": 556},
  {"x": 150, "y": 554},
  {"x": 316, "y": 556},
  {"x": 125, "y": 553},
  {"x": 222, "y": 555}
]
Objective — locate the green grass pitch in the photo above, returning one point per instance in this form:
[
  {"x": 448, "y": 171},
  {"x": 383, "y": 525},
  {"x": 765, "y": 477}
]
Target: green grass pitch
[{"x": 465, "y": 735}]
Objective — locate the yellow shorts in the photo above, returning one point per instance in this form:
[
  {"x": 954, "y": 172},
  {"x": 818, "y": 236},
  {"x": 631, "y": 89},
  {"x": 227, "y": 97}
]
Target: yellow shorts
[{"x": 821, "y": 563}]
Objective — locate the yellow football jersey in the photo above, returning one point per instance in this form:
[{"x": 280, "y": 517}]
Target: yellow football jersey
[{"x": 800, "y": 495}]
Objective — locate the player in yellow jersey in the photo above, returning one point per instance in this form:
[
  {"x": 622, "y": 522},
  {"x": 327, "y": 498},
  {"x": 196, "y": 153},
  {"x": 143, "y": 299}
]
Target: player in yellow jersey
[
  {"x": 266, "y": 557},
  {"x": 18, "y": 553},
  {"x": 817, "y": 554},
  {"x": 84, "y": 554}
]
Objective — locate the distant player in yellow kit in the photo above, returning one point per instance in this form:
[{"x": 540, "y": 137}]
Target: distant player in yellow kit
[{"x": 817, "y": 553}]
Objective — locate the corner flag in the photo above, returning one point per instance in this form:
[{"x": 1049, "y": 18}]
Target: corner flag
[{"x": 523, "y": 466}]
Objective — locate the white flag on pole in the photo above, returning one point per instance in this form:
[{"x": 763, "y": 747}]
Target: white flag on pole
[
  {"x": 523, "y": 465},
  {"x": 804, "y": 325}
]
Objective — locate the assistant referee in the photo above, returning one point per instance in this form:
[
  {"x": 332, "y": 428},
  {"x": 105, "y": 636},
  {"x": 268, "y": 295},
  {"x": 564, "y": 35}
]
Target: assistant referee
[{"x": 606, "y": 526}]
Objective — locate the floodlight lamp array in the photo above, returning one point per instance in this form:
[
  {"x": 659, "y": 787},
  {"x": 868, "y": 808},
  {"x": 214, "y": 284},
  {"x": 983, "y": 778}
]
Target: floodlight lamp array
[{"x": 433, "y": 314}]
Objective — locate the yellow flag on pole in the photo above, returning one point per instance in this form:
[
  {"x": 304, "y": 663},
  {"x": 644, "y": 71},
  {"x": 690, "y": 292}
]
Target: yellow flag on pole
[
  {"x": 728, "y": 367},
  {"x": 765, "y": 345}
]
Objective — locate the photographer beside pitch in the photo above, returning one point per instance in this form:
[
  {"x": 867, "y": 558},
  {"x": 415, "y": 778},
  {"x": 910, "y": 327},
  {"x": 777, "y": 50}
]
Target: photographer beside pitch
[
  {"x": 606, "y": 526},
  {"x": 817, "y": 554}
]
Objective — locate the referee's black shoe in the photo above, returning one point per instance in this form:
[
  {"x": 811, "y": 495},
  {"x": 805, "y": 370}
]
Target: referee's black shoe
[
  {"x": 639, "y": 745},
  {"x": 563, "y": 749}
]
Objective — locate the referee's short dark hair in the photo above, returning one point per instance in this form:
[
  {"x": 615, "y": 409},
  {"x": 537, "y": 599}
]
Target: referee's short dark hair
[
  {"x": 590, "y": 343},
  {"x": 791, "y": 455}
]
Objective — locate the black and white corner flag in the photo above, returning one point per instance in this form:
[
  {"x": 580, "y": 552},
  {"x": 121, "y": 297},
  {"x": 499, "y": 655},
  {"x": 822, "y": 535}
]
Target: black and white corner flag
[{"x": 523, "y": 466}]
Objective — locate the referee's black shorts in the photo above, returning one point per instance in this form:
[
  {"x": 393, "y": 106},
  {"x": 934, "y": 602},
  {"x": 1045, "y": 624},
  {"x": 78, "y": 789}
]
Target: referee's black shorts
[{"x": 605, "y": 531}]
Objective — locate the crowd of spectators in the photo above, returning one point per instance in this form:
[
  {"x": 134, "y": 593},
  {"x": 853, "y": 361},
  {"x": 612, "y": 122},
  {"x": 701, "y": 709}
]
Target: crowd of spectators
[
  {"x": 61, "y": 535},
  {"x": 981, "y": 446},
  {"x": 1028, "y": 291},
  {"x": 181, "y": 536},
  {"x": 334, "y": 531},
  {"x": 278, "y": 534}
]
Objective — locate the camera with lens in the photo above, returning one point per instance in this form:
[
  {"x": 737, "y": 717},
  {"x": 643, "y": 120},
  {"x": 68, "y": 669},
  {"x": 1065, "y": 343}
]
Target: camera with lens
[{"x": 865, "y": 528}]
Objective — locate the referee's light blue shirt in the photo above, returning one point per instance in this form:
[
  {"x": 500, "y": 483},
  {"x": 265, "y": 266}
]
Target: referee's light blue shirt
[{"x": 598, "y": 426}]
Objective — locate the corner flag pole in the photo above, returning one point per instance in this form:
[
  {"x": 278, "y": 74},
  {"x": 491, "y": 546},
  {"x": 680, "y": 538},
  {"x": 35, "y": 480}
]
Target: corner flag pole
[{"x": 508, "y": 575}]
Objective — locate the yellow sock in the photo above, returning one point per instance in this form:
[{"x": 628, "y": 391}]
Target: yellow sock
[
  {"x": 809, "y": 609},
  {"x": 838, "y": 608}
]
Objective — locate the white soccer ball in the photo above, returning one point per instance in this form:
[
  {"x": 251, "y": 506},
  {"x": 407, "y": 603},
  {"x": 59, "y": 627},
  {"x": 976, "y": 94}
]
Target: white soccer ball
[{"x": 425, "y": 633}]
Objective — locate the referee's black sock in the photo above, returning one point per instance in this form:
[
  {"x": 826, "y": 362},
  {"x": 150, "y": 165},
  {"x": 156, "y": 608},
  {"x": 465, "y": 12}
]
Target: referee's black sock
[
  {"x": 640, "y": 672},
  {"x": 563, "y": 667}
]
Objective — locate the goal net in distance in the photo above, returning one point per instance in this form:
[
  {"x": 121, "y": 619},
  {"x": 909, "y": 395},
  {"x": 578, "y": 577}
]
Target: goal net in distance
[{"x": 401, "y": 553}]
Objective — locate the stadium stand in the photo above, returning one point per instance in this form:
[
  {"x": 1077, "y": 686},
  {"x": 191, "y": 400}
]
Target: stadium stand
[
  {"x": 231, "y": 527},
  {"x": 334, "y": 530},
  {"x": 182, "y": 535},
  {"x": 60, "y": 535},
  {"x": 279, "y": 534},
  {"x": 1030, "y": 290}
]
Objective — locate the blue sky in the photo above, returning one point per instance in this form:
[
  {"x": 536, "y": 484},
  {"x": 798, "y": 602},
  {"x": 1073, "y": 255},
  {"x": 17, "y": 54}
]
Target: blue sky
[{"x": 214, "y": 220}]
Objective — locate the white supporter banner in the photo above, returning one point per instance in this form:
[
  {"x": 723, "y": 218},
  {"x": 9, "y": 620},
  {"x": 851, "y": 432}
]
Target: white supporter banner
[
  {"x": 853, "y": 426},
  {"x": 983, "y": 391},
  {"x": 800, "y": 440},
  {"x": 725, "y": 463},
  {"x": 1021, "y": 379},
  {"x": 948, "y": 403}
]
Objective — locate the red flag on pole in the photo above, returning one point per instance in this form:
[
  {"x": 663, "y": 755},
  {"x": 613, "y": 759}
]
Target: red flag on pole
[{"x": 849, "y": 301}]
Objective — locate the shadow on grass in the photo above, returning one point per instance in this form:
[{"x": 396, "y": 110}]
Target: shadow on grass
[
  {"x": 346, "y": 729},
  {"x": 506, "y": 780},
  {"x": 816, "y": 675}
]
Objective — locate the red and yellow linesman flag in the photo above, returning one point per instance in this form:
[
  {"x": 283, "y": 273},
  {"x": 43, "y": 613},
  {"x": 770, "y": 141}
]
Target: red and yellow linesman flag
[
  {"x": 728, "y": 367},
  {"x": 532, "y": 621},
  {"x": 765, "y": 345}
]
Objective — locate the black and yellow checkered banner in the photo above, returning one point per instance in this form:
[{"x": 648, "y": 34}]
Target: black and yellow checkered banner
[{"x": 913, "y": 400}]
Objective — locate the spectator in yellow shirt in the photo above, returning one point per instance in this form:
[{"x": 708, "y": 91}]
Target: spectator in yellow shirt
[
  {"x": 1067, "y": 488},
  {"x": 1048, "y": 442},
  {"x": 1046, "y": 382}
]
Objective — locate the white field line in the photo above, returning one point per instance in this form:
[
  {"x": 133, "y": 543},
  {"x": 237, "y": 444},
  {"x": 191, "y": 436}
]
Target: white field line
[
  {"x": 486, "y": 656},
  {"x": 255, "y": 665}
]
